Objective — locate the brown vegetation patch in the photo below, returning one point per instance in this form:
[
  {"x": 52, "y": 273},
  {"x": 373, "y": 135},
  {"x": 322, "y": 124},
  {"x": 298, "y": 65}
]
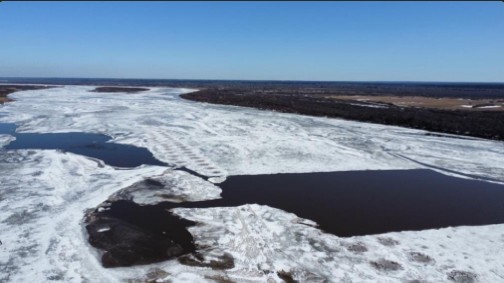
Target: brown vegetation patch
[
  {"x": 429, "y": 102},
  {"x": 485, "y": 123},
  {"x": 114, "y": 89}
]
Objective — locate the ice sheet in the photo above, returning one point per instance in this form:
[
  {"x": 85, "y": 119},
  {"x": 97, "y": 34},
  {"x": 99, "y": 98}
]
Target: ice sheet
[
  {"x": 265, "y": 241},
  {"x": 226, "y": 140},
  {"x": 43, "y": 194}
]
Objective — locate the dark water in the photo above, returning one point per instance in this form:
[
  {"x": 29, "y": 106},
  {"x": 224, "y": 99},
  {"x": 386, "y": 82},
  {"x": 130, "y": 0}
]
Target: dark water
[
  {"x": 87, "y": 144},
  {"x": 7, "y": 128},
  {"x": 372, "y": 202},
  {"x": 359, "y": 202}
]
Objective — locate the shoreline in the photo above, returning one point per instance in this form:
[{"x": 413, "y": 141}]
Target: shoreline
[
  {"x": 471, "y": 121},
  {"x": 6, "y": 89},
  {"x": 417, "y": 109}
]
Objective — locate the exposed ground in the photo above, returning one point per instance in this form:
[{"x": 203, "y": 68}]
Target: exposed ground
[
  {"x": 119, "y": 89},
  {"x": 429, "y": 102}
]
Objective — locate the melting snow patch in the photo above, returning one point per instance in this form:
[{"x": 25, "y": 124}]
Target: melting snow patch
[
  {"x": 489, "y": 106},
  {"x": 369, "y": 105},
  {"x": 105, "y": 229}
]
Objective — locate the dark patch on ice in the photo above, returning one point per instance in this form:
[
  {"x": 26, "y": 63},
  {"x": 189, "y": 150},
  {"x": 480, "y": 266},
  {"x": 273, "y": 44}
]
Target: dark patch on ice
[
  {"x": 462, "y": 276},
  {"x": 386, "y": 241},
  {"x": 357, "y": 248},
  {"x": 26, "y": 251},
  {"x": 156, "y": 274},
  {"x": 131, "y": 234},
  {"x": 20, "y": 217},
  {"x": 286, "y": 276},
  {"x": 419, "y": 257},
  {"x": 386, "y": 265},
  {"x": 152, "y": 182},
  {"x": 121, "y": 89},
  {"x": 56, "y": 276},
  {"x": 9, "y": 268}
]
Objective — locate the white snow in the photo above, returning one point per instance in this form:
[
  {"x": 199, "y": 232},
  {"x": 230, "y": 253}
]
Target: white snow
[
  {"x": 44, "y": 193},
  {"x": 176, "y": 186},
  {"x": 369, "y": 105},
  {"x": 490, "y": 106},
  {"x": 105, "y": 229},
  {"x": 263, "y": 239},
  {"x": 481, "y": 107},
  {"x": 5, "y": 140}
]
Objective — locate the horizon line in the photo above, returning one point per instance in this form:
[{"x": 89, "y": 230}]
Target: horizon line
[{"x": 260, "y": 80}]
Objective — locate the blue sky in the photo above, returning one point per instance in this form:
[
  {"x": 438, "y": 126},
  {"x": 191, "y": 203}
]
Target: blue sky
[{"x": 335, "y": 41}]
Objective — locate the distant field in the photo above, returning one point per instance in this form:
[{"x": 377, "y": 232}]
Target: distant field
[{"x": 430, "y": 102}]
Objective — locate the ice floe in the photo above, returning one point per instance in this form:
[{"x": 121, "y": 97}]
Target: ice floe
[
  {"x": 172, "y": 185},
  {"x": 5, "y": 140}
]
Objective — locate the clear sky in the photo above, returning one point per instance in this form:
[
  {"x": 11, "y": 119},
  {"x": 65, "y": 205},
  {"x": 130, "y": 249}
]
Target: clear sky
[{"x": 360, "y": 41}]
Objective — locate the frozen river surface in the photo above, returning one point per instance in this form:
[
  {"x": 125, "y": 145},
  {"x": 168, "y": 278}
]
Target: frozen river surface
[{"x": 44, "y": 193}]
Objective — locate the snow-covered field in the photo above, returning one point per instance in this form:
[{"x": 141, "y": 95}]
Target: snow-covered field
[{"x": 43, "y": 194}]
